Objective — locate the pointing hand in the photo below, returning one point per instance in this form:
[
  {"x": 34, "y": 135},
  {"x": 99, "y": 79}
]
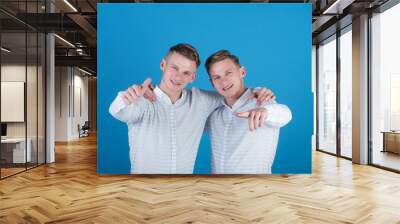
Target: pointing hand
[
  {"x": 256, "y": 117},
  {"x": 134, "y": 92}
]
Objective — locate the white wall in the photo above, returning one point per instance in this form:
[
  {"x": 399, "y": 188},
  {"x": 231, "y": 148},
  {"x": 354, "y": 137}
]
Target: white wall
[
  {"x": 70, "y": 84},
  {"x": 14, "y": 72},
  {"x": 79, "y": 117},
  {"x": 61, "y": 103}
]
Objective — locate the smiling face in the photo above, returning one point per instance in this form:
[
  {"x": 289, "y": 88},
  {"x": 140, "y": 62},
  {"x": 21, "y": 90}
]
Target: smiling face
[
  {"x": 227, "y": 78},
  {"x": 178, "y": 71}
]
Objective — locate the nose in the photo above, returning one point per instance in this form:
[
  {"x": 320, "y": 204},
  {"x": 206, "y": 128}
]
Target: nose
[
  {"x": 224, "y": 80},
  {"x": 178, "y": 76}
]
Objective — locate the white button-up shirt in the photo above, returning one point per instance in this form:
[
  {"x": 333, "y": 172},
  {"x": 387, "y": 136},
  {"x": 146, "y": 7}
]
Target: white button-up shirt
[
  {"x": 236, "y": 149},
  {"x": 164, "y": 137}
]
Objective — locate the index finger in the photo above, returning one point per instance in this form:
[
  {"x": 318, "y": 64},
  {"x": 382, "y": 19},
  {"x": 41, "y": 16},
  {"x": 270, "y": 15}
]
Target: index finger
[
  {"x": 146, "y": 83},
  {"x": 243, "y": 114}
]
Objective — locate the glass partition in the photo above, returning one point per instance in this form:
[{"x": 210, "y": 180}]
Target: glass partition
[
  {"x": 346, "y": 93},
  {"x": 327, "y": 95},
  {"x": 385, "y": 89},
  {"x": 13, "y": 103},
  {"x": 22, "y": 88}
]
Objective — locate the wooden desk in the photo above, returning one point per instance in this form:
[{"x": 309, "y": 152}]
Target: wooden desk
[{"x": 391, "y": 141}]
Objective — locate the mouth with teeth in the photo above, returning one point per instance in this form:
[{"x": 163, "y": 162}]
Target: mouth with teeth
[
  {"x": 226, "y": 88},
  {"x": 175, "y": 83}
]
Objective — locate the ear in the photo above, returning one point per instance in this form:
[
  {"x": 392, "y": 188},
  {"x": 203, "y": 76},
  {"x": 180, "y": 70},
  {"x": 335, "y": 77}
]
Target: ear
[
  {"x": 193, "y": 77},
  {"x": 212, "y": 83},
  {"x": 163, "y": 64},
  {"x": 243, "y": 71}
]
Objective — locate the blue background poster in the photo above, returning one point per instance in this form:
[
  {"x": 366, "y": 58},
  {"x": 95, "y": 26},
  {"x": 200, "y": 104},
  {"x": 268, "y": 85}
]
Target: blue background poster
[{"x": 273, "y": 42}]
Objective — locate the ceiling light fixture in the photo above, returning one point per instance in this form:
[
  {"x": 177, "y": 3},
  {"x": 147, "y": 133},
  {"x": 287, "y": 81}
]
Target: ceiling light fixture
[
  {"x": 84, "y": 71},
  {"x": 70, "y": 5},
  {"x": 331, "y": 7},
  {"x": 337, "y": 7},
  {"x": 5, "y": 50},
  {"x": 65, "y": 41}
]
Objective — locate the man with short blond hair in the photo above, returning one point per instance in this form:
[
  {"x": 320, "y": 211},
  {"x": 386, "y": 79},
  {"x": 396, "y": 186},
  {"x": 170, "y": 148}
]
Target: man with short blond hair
[{"x": 235, "y": 148}]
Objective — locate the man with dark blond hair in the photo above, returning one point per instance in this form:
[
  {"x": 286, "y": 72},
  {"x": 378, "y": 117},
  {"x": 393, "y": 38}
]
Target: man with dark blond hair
[{"x": 235, "y": 148}]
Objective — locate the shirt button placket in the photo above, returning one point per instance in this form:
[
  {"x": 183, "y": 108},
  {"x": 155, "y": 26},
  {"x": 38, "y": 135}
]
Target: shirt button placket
[
  {"x": 173, "y": 140},
  {"x": 224, "y": 144}
]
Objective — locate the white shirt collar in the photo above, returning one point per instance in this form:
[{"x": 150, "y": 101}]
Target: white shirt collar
[
  {"x": 164, "y": 98},
  {"x": 241, "y": 101}
]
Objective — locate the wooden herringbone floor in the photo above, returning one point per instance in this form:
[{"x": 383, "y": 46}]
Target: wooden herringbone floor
[{"x": 70, "y": 191}]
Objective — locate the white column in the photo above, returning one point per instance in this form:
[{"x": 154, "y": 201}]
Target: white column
[
  {"x": 360, "y": 90},
  {"x": 50, "y": 92},
  {"x": 50, "y": 110}
]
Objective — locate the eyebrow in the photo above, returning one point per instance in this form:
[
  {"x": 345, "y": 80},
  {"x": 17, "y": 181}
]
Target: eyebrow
[
  {"x": 187, "y": 70},
  {"x": 180, "y": 68}
]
